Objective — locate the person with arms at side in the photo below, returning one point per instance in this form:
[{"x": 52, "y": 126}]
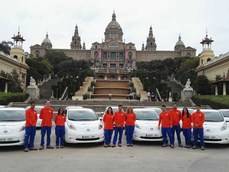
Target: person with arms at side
[
  {"x": 165, "y": 123},
  {"x": 46, "y": 115},
  {"x": 198, "y": 119},
  {"x": 187, "y": 127},
  {"x": 60, "y": 128},
  {"x": 130, "y": 125},
  {"x": 176, "y": 117},
  {"x": 108, "y": 120},
  {"x": 119, "y": 122},
  {"x": 30, "y": 127}
]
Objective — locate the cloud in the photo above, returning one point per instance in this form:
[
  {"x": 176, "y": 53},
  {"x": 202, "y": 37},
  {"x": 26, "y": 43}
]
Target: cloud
[{"x": 168, "y": 19}]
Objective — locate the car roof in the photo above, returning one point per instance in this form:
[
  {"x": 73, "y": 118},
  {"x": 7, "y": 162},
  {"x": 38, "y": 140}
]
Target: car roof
[
  {"x": 143, "y": 109},
  {"x": 12, "y": 108},
  {"x": 209, "y": 110},
  {"x": 73, "y": 107},
  {"x": 223, "y": 109},
  {"x": 80, "y": 108}
]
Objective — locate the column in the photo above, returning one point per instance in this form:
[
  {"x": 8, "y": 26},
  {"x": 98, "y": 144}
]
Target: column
[
  {"x": 216, "y": 90},
  {"x": 6, "y": 87},
  {"x": 224, "y": 89}
]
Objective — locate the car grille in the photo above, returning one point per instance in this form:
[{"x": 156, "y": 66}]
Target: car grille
[
  {"x": 216, "y": 140},
  {"x": 151, "y": 138},
  {"x": 87, "y": 139},
  {"x": 8, "y": 142}
]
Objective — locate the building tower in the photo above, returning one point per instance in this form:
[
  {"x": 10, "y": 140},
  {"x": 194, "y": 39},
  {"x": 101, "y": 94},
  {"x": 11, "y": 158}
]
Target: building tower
[
  {"x": 46, "y": 43},
  {"x": 179, "y": 45},
  {"x": 76, "y": 40},
  {"x": 207, "y": 53},
  {"x": 150, "y": 42}
]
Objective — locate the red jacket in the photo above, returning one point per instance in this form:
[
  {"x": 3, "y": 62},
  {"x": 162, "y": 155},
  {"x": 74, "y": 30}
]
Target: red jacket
[
  {"x": 119, "y": 119},
  {"x": 176, "y": 116},
  {"x": 130, "y": 119},
  {"x": 165, "y": 120},
  {"x": 60, "y": 120},
  {"x": 186, "y": 121},
  {"x": 198, "y": 119},
  {"x": 30, "y": 118},
  {"x": 108, "y": 120},
  {"x": 46, "y": 115}
]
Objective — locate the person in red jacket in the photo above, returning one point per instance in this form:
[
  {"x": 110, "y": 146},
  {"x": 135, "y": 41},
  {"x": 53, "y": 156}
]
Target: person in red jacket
[
  {"x": 130, "y": 124},
  {"x": 30, "y": 127},
  {"x": 46, "y": 114},
  {"x": 165, "y": 122},
  {"x": 119, "y": 122},
  {"x": 60, "y": 128},
  {"x": 187, "y": 127},
  {"x": 198, "y": 119},
  {"x": 108, "y": 120},
  {"x": 176, "y": 117}
]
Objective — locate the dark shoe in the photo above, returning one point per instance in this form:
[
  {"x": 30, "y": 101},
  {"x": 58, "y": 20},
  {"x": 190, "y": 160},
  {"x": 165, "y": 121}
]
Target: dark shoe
[
  {"x": 41, "y": 148},
  {"x": 105, "y": 146},
  {"x": 172, "y": 146},
  {"x": 113, "y": 146},
  {"x": 32, "y": 149},
  {"x": 181, "y": 146},
  {"x": 119, "y": 145},
  {"x": 131, "y": 145},
  {"x": 26, "y": 150},
  {"x": 194, "y": 147},
  {"x": 164, "y": 145},
  {"x": 57, "y": 147},
  {"x": 202, "y": 148},
  {"x": 50, "y": 147},
  {"x": 187, "y": 146},
  {"x": 61, "y": 147}
]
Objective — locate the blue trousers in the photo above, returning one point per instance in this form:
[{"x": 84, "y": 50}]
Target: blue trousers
[
  {"x": 187, "y": 132},
  {"x": 107, "y": 136},
  {"x": 30, "y": 133},
  {"x": 177, "y": 129},
  {"x": 44, "y": 131},
  {"x": 129, "y": 134},
  {"x": 60, "y": 132},
  {"x": 167, "y": 132},
  {"x": 118, "y": 135},
  {"x": 198, "y": 133}
]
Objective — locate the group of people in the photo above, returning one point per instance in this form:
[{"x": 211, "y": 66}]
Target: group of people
[
  {"x": 192, "y": 126},
  {"x": 47, "y": 116}
]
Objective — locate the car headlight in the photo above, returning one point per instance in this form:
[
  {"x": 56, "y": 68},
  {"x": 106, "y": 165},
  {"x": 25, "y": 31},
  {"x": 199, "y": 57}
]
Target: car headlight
[
  {"x": 224, "y": 127},
  {"x": 137, "y": 126},
  {"x": 100, "y": 126},
  {"x": 22, "y": 128},
  {"x": 71, "y": 126}
]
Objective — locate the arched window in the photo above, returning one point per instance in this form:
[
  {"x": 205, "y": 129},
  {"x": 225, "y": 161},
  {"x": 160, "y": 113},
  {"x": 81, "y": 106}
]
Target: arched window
[
  {"x": 37, "y": 53},
  {"x": 15, "y": 57},
  {"x": 22, "y": 59},
  {"x": 130, "y": 55},
  {"x": 208, "y": 59}
]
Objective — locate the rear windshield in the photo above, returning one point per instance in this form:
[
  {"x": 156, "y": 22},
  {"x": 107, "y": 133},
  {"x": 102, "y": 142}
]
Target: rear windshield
[
  {"x": 213, "y": 116},
  {"x": 146, "y": 115},
  {"x": 12, "y": 115},
  {"x": 225, "y": 113}
]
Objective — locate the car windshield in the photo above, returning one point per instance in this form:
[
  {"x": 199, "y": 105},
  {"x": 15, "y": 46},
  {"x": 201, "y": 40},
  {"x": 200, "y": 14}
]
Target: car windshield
[
  {"x": 12, "y": 115},
  {"x": 213, "y": 116},
  {"x": 158, "y": 111},
  {"x": 82, "y": 115},
  {"x": 146, "y": 115},
  {"x": 225, "y": 113}
]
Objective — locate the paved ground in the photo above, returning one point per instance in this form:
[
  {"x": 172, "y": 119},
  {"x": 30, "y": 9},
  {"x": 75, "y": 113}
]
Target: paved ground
[{"x": 143, "y": 157}]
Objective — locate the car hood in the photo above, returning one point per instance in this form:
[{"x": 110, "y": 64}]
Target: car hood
[
  {"x": 213, "y": 126},
  {"x": 12, "y": 124},
  {"x": 85, "y": 124}
]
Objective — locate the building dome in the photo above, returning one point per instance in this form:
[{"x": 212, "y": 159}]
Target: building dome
[
  {"x": 113, "y": 31},
  {"x": 180, "y": 44},
  {"x": 46, "y": 42}
]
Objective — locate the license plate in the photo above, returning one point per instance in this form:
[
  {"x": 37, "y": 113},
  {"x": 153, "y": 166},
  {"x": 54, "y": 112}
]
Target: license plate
[
  {"x": 87, "y": 137},
  {"x": 6, "y": 139},
  {"x": 149, "y": 135}
]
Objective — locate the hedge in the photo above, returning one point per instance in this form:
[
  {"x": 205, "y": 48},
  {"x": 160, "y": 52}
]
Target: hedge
[
  {"x": 216, "y": 102},
  {"x": 6, "y": 98}
]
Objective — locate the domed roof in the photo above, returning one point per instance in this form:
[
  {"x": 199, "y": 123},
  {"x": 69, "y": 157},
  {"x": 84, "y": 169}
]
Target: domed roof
[
  {"x": 113, "y": 30},
  {"x": 46, "y": 42},
  {"x": 179, "y": 42}
]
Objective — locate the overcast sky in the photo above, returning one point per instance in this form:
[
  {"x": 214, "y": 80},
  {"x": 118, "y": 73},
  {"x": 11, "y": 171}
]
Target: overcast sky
[{"x": 169, "y": 18}]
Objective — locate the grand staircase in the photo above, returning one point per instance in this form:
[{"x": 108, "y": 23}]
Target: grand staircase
[{"x": 111, "y": 89}]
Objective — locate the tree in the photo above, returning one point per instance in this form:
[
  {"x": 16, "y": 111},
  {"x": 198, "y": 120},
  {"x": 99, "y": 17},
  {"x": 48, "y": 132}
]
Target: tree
[
  {"x": 5, "y": 46},
  {"x": 202, "y": 85}
]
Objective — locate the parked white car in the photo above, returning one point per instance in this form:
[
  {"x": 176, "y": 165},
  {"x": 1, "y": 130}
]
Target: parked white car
[
  {"x": 156, "y": 109},
  {"x": 83, "y": 126},
  {"x": 146, "y": 128},
  {"x": 37, "y": 109},
  {"x": 225, "y": 113},
  {"x": 215, "y": 127},
  {"x": 12, "y": 126}
]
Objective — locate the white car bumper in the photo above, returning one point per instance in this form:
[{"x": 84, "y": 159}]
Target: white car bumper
[
  {"x": 12, "y": 140},
  {"x": 76, "y": 137},
  {"x": 220, "y": 138},
  {"x": 147, "y": 136}
]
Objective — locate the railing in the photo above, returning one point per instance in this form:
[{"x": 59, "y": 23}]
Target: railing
[{"x": 64, "y": 95}]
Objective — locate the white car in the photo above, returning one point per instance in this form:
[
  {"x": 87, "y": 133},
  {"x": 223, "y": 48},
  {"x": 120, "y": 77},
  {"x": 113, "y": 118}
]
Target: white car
[
  {"x": 12, "y": 126},
  {"x": 146, "y": 128},
  {"x": 225, "y": 113},
  {"x": 83, "y": 126},
  {"x": 156, "y": 109},
  {"x": 37, "y": 109},
  {"x": 215, "y": 127}
]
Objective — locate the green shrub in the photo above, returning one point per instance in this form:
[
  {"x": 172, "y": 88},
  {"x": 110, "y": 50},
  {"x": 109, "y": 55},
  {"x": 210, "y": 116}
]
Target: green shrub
[{"x": 6, "y": 98}]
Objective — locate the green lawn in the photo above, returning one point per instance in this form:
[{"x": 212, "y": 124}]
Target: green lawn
[
  {"x": 6, "y": 98},
  {"x": 214, "y": 101}
]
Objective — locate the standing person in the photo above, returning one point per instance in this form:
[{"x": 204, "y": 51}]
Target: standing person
[
  {"x": 165, "y": 122},
  {"x": 176, "y": 117},
  {"x": 108, "y": 120},
  {"x": 198, "y": 119},
  {"x": 187, "y": 127},
  {"x": 30, "y": 127},
  {"x": 119, "y": 121},
  {"x": 46, "y": 115},
  {"x": 130, "y": 124},
  {"x": 60, "y": 128}
]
